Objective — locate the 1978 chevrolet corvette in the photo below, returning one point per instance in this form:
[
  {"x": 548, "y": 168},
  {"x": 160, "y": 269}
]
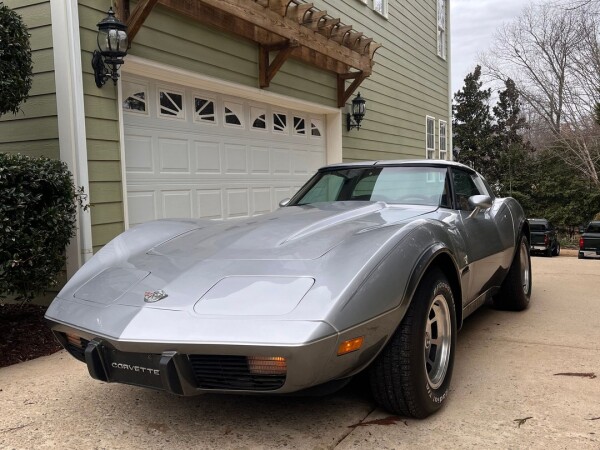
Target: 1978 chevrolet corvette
[{"x": 370, "y": 266}]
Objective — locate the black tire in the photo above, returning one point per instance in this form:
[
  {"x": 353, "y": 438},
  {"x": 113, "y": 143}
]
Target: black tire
[
  {"x": 515, "y": 291},
  {"x": 403, "y": 380},
  {"x": 580, "y": 256},
  {"x": 556, "y": 251},
  {"x": 548, "y": 253}
]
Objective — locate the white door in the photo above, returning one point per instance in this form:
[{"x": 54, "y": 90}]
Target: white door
[{"x": 197, "y": 154}]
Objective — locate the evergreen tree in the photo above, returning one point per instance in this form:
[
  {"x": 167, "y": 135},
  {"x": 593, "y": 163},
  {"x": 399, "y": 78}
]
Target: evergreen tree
[
  {"x": 472, "y": 126},
  {"x": 510, "y": 149}
]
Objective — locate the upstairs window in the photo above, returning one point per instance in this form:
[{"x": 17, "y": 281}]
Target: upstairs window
[
  {"x": 443, "y": 139},
  {"x": 381, "y": 6},
  {"x": 430, "y": 137},
  {"x": 441, "y": 28}
]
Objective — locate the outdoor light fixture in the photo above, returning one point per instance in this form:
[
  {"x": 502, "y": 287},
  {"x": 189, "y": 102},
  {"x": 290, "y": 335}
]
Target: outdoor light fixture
[
  {"x": 112, "y": 48},
  {"x": 358, "y": 113}
]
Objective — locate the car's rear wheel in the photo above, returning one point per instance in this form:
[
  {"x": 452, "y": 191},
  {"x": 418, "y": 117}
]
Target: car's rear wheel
[
  {"x": 556, "y": 251},
  {"x": 411, "y": 377},
  {"x": 515, "y": 291}
]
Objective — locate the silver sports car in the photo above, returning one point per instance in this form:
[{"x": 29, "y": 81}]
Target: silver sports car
[{"x": 370, "y": 266}]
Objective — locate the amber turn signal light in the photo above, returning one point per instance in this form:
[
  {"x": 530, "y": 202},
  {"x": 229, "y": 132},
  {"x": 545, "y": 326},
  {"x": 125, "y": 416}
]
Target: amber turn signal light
[{"x": 350, "y": 346}]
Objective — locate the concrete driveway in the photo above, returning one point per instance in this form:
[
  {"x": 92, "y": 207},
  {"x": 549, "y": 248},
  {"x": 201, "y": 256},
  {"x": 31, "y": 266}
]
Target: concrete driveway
[{"x": 505, "y": 393}]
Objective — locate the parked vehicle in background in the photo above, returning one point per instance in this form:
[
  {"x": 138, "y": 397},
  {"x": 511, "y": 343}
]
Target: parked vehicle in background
[
  {"x": 589, "y": 243},
  {"x": 544, "y": 238}
]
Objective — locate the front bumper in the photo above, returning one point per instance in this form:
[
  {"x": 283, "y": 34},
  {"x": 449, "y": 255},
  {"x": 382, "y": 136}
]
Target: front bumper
[
  {"x": 191, "y": 369},
  {"x": 179, "y": 352}
]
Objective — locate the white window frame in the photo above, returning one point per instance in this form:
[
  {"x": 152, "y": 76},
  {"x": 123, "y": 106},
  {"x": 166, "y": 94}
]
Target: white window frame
[
  {"x": 443, "y": 150},
  {"x": 384, "y": 4},
  {"x": 429, "y": 150},
  {"x": 441, "y": 29}
]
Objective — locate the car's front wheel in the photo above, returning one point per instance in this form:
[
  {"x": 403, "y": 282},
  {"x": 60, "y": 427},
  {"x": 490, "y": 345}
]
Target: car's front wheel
[{"x": 411, "y": 377}]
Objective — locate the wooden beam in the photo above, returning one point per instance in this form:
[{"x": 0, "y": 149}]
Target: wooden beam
[
  {"x": 222, "y": 21},
  {"x": 343, "y": 93},
  {"x": 273, "y": 22},
  {"x": 122, "y": 10},
  {"x": 338, "y": 34},
  {"x": 314, "y": 18},
  {"x": 325, "y": 27},
  {"x": 266, "y": 68},
  {"x": 138, "y": 16}
]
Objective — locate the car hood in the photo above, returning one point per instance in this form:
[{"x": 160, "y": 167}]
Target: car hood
[
  {"x": 292, "y": 233},
  {"x": 221, "y": 265}
]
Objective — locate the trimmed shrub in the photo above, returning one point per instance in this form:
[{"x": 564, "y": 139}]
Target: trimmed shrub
[
  {"x": 37, "y": 221},
  {"x": 15, "y": 61}
]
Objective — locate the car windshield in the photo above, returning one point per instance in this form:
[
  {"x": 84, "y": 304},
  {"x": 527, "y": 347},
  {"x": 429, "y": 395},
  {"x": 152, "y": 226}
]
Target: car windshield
[
  {"x": 537, "y": 227},
  {"x": 417, "y": 185},
  {"x": 593, "y": 228}
]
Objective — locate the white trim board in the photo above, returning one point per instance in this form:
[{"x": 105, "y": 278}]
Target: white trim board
[{"x": 71, "y": 118}]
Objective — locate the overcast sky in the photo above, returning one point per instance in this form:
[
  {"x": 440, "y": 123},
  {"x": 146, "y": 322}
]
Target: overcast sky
[{"x": 473, "y": 25}]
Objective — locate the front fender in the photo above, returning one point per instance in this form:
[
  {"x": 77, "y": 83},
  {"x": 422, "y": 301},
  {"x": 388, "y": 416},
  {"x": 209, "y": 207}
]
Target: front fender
[{"x": 389, "y": 285}]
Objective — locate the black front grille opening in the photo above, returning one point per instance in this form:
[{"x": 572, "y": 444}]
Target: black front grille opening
[
  {"x": 75, "y": 345},
  {"x": 233, "y": 373}
]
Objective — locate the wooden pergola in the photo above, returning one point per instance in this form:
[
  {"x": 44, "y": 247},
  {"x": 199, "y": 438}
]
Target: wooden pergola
[{"x": 283, "y": 28}]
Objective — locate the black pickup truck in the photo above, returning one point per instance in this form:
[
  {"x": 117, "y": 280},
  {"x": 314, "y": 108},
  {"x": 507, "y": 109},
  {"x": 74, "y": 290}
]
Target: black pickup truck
[
  {"x": 589, "y": 243},
  {"x": 544, "y": 238}
]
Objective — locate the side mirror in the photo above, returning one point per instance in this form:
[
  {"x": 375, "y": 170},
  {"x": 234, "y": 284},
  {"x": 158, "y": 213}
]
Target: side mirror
[
  {"x": 581, "y": 230},
  {"x": 284, "y": 202},
  {"x": 478, "y": 203}
]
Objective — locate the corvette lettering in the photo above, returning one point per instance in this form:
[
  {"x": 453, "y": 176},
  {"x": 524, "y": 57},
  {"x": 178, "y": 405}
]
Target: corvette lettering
[{"x": 135, "y": 368}]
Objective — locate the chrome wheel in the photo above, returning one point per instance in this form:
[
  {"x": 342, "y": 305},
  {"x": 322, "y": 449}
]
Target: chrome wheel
[
  {"x": 438, "y": 339},
  {"x": 525, "y": 268}
]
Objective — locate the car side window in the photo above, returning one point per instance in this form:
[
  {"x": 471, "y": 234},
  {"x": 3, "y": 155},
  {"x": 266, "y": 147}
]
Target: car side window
[{"x": 464, "y": 187}]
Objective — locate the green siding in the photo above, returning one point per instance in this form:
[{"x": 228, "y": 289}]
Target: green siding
[
  {"x": 409, "y": 80},
  {"x": 102, "y": 132},
  {"x": 34, "y": 130}
]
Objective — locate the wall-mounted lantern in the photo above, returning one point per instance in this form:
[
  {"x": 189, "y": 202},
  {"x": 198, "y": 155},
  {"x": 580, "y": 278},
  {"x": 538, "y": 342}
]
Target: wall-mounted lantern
[
  {"x": 358, "y": 113},
  {"x": 112, "y": 48}
]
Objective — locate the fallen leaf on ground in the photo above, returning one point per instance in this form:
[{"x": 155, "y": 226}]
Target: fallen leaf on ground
[{"x": 522, "y": 421}]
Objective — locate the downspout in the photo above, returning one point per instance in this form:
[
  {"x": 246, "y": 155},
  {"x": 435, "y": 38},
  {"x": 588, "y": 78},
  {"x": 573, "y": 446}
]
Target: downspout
[
  {"x": 449, "y": 62},
  {"x": 68, "y": 75}
]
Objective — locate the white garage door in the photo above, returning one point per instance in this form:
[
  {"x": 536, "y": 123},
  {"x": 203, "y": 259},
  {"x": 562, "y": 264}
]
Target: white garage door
[{"x": 195, "y": 154}]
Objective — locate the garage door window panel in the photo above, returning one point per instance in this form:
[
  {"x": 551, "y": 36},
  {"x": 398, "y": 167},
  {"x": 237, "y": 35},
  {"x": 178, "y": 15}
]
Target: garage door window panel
[
  {"x": 280, "y": 123},
  {"x": 170, "y": 104},
  {"x": 258, "y": 118},
  {"x": 233, "y": 114},
  {"x": 205, "y": 110},
  {"x": 299, "y": 126},
  {"x": 316, "y": 126},
  {"x": 136, "y": 97}
]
